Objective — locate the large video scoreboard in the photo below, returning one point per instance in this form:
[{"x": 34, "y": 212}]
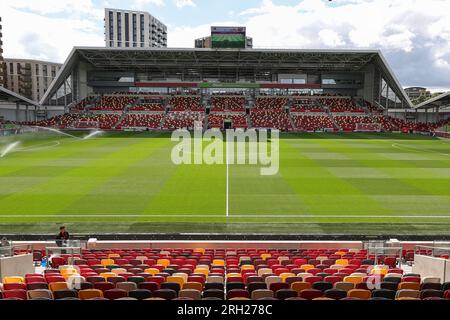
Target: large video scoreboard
[{"x": 228, "y": 37}]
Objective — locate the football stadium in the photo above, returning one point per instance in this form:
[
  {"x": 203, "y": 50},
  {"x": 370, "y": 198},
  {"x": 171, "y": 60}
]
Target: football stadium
[{"x": 224, "y": 173}]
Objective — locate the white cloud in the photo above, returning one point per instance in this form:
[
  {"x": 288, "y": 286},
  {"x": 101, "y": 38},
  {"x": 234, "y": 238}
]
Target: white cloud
[
  {"x": 330, "y": 38},
  {"x": 185, "y": 3},
  {"x": 412, "y": 34},
  {"x": 29, "y": 33},
  {"x": 69, "y": 7},
  {"x": 141, "y": 4}
]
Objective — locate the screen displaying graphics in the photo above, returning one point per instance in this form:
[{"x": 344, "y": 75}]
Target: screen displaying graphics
[{"x": 228, "y": 37}]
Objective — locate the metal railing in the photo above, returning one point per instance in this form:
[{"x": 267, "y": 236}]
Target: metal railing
[
  {"x": 10, "y": 250},
  {"x": 380, "y": 253},
  {"x": 433, "y": 251}
]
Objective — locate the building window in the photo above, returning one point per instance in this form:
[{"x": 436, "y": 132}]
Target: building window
[
  {"x": 142, "y": 28},
  {"x": 111, "y": 25},
  {"x": 127, "y": 30},
  {"x": 119, "y": 29},
  {"x": 134, "y": 30}
]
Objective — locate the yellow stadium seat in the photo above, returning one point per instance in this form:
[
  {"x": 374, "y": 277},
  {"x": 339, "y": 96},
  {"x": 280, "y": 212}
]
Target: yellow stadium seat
[
  {"x": 359, "y": 293},
  {"x": 340, "y": 253},
  {"x": 353, "y": 279},
  {"x": 13, "y": 280},
  {"x": 107, "y": 262},
  {"x": 106, "y": 275},
  {"x": 163, "y": 262},
  {"x": 202, "y": 271},
  {"x": 285, "y": 275},
  {"x": 182, "y": 275},
  {"x": 200, "y": 250},
  {"x": 193, "y": 285},
  {"x": 113, "y": 255},
  {"x": 248, "y": 267},
  {"x": 175, "y": 279},
  {"x": 379, "y": 271},
  {"x": 56, "y": 286},
  {"x": 300, "y": 286},
  {"x": 306, "y": 267},
  {"x": 265, "y": 256},
  {"x": 68, "y": 271},
  {"x": 218, "y": 262},
  {"x": 409, "y": 286},
  {"x": 90, "y": 294},
  {"x": 342, "y": 262},
  {"x": 152, "y": 271},
  {"x": 234, "y": 275}
]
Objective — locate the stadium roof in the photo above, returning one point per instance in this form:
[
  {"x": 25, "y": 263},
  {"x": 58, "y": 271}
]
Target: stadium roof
[
  {"x": 10, "y": 96},
  {"x": 143, "y": 59},
  {"x": 439, "y": 101}
]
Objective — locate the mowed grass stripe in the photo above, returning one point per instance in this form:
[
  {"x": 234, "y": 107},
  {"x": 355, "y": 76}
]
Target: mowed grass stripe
[
  {"x": 24, "y": 175},
  {"x": 430, "y": 187},
  {"x": 326, "y": 194},
  {"x": 129, "y": 191},
  {"x": 251, "y": 192},
  {"x": 61, "y": 191},
  {"x": 432, "y": 182},
  {"x": 190, "y": 189}
]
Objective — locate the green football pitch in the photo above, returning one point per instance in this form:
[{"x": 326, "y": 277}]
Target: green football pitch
[{"x": 369, "y": 184}]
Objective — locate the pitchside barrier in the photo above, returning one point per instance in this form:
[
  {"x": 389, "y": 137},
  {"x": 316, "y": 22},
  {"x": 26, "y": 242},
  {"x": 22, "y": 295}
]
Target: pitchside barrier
[
  {"x": 432, "y": 262},
  {"x": 443, "y": 134}
]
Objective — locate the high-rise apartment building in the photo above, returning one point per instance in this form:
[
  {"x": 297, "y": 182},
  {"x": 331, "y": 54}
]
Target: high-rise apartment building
[
  {"x": 2, "y": 64},
  {"x": 133, "y": 29},
  {"x": 30, "y": 78}
]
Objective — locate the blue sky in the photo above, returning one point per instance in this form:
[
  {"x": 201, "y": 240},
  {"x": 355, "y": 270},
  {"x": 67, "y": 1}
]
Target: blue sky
[{"x": 414, "y": 35}]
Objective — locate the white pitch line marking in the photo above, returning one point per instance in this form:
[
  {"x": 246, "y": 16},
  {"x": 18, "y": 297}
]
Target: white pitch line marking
[
  {"x": 227, "y": 183},
  {"x": 215, "y": 216},
  {"x": 399, "y": 146}
]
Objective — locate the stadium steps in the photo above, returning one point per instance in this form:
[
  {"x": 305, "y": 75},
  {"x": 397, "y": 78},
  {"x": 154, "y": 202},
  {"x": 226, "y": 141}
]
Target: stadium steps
[
  {"x": 122, "y": 117},
  {"x": 89, "y": 106},
  {"x": 163, "y": 120},
  {"x": 294, "y": 127},
  {"x": 206, "y": 122},
  {"x": 249, "y": 121}
]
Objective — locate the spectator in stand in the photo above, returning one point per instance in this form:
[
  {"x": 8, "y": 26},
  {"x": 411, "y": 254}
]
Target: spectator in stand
[{"x": 62, "y": 237}]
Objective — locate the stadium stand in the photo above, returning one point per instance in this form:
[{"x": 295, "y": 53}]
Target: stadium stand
[
  {"x": 203, "y": 273},
  {"x": 288, "y": 113},
  {"x": 182, "y": 119},
  {"x": 227, "y": 104},
  {"x": 148, "y": 107},
  {"x": 313, "y": 123},
  {"x": 113, "y": 103},
  {"x": 151, "y": 121},
  {"x": 185, "y": 103},
  {"x": 237, "y": 120},
  {"x": 341, "y": 105}
]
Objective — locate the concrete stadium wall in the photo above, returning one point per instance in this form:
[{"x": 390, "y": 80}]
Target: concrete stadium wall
[
  {"x": 16, "y": 265},
  {"x": 432, "y": 267}
]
